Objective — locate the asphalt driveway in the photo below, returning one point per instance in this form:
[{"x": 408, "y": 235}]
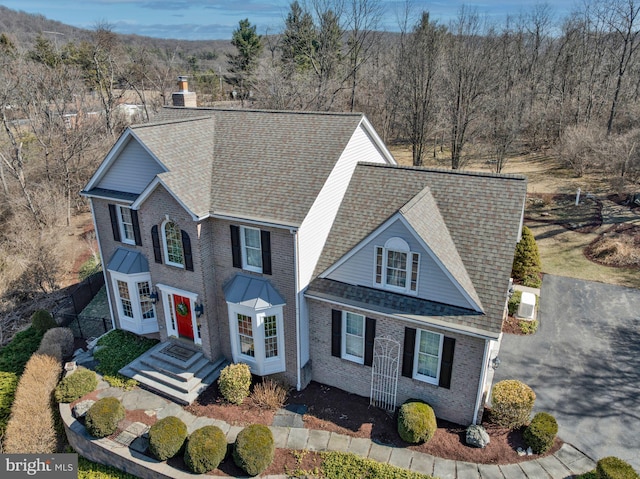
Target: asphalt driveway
[{"x": 584, "y": 365}]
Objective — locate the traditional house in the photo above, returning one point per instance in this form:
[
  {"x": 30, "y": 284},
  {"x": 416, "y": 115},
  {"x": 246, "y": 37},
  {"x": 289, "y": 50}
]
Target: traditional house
[{"x": 291, "y": 241}]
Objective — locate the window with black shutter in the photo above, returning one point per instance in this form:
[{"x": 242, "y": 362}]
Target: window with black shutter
[
  {"x": 157, "y": 248},
  {"x": 115, "y": 225},
  {"x": 186, "y": 250}
]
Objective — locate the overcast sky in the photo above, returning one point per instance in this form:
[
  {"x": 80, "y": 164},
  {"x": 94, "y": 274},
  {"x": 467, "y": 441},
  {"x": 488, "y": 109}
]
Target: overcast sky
[{"x": 216, "y": 19}]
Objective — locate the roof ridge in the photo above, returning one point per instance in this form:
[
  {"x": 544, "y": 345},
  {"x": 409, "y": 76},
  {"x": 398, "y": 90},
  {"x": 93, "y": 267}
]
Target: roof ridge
[
  {"x": 415, "y": 200},
  {"x": 503, "y": 176},
  {"x": 170, "y": 122},
  {"x": 259, "y": 110}
]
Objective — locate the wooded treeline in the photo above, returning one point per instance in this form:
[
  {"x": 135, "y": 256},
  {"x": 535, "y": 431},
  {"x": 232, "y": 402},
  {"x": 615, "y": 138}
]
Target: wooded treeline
[{"x": 470, "y": 88}]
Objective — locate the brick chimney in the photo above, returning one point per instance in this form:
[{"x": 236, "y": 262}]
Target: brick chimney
[{"x": 184, "y": 97}]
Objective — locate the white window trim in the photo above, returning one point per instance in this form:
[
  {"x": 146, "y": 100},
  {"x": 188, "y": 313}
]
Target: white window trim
[
  {"x": 399, "y": 245},
  {"x": 123, "y": 236},
  {"x": 243, "y": 248},
  {"x": 167, "y": 291},
  {"x": 165, "y": 247},
  {"x": 343, "y": 351},
  {"x": 258, "y": 364},
  {"x": 416, "y": 352},
  {"x": 137, "y": 324}
]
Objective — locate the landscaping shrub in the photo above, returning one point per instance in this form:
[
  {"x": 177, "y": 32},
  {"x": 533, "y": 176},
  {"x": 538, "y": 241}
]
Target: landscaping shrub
[
  {"x": 416, "y": 422},
  {"x": 15, "y": 355},
  {"x": 254, "y": 449},
  {"x": 166, "y": 437},
  {"x": 514, "y": 302},
  {"x": 42, "y": 320},
  {"x": 103, "y": 417},
  {"x": 61, "y": 336},
  {"x": 528, "y": 327},
  {"x": 540, "y": 434},
  {"x": 8, "y": 385},
  {"x": 342, "y": 465},
  {"x": 269, "y": 395},
  {"x": 526, "y": 262},
  {"x": 234, "y": 382},
  {"x": 50, "y": 349},
  {"x": 82, "y": 381},
  {"x": 31, "y": 429},
  {"x": 511, "y": 403},
  {"x": 206, "y": 448},
  {"x": 613, "y": 468}
]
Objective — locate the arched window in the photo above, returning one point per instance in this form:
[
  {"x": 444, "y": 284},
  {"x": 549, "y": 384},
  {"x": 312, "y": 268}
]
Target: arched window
[
  {"x": 397, "y": 266},
  {"x": 172, "y": 239}
]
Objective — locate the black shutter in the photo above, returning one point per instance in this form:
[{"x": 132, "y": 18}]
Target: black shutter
[
  {"x": 155, "y": 239},
  {"x": 186, "y": 250},
  {"x": 409, "y": 349},
  {"x": 235, "y": 246},
  {"x": 446, "y": 363},
  {"x": 115, "y": 226},
  {"x": 336, "y": 333},
  {"x": 369, "y": 338},
  {"x": 136, "y": 227},
  {"x": 265, "y": 243}
]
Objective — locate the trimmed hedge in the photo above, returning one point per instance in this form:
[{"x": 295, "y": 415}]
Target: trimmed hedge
[
  {"x": 254, "y": 449},
  {"x": 540, "y": 434},
  {"x": 8, "y": 385},
  {"x": 235, "y": 382},
  {"x": 167, "y": 437},
  {"x": 103, "y": 417},
  {"x": 511, "y": 403},
  {"x": 31, "y": 428},
  {"x": 82, "y": 381},
  {"x": 416, "y": 422},
  {"x": 63, "y": 337},
  {"x": 206, "y": 448},
  {"x": 42, "y": 321},
  {"x": 614, "y": 468}
]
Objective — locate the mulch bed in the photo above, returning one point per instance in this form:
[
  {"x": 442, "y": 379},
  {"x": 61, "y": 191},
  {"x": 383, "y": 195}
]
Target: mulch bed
[
  {"x": 561, "y": 210},
  {"x": 617, "y": 247}
]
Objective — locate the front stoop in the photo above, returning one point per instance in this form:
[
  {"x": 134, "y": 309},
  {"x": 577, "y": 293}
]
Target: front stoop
[{"x": 181, "y": 380}]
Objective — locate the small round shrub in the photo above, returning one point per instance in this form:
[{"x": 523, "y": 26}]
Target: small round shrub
[
  {"x": 613, "y": 468},
  {"x": 42, "y": 320},
  {"x": 539, "y": 435},
  {"x": 234, "y": 382},
  {"x": 103, "y": 417},
  {"x": 416, "y": 422},
  {"x": 76, "y": 385},
  {"x": 514, "y": 302},
  {"x": 50, "y": 349},
  {"x": 254, "y": 449},
  {"x": 61, "y": 336},
  {"x": 166, "y": 437},
  {"x": 511, "y": 403},
  {"x": 206, "y": 448}
]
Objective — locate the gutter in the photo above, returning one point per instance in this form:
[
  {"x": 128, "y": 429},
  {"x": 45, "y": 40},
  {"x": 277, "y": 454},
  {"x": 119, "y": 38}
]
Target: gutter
[
  {"x": 298, "y": 299},
  {"x": 483, "y": 373}
]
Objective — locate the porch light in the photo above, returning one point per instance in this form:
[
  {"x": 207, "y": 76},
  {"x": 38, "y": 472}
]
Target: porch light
[
  {"x": 153, "y": 296},
  {"x": 199, "y": 309}
]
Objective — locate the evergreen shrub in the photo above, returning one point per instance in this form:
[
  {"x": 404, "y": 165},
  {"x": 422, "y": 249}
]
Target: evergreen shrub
[
  {"x": 511, "y": 403},
  {"x": 82, "y": 381},
  {"x": 541, "y": 432},
  {"x": 416, "y": 422},
  {"x": 206, "y": 448},
  {"x": 42, "y": 320},
  {"x": 526, "y": 261},
  {"x": 254, "y": 449},
  {"x": 167, "y": 437},
  {"x": 614, "y": 468},
  {"x": 235, "y": 382},
  {"x": 103, "y": 417}
]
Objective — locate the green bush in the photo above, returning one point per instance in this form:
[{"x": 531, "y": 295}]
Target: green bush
[
  {"x": 15, "y": 355},
  {"x": 511, "y": 403},
  {"x": 103, "y": 417},
  {"x": 235, "y": 382},
  {"x": 206, "y": 448},
  {"x": 416, "y": 422},
  {"x": 167, "y": 437},
  {"x": 613, "y": 468},
  {"x": 8, "y": 385},
  {"x": 42, "y": 320},
  {"x": 254, "y": 449},
  {"x": 50, "y": 349},
  {"x": 528, "y": 327},
  {"x": 514, "y": 302},
  {"x": 63, "y": 337},
  {"x": 526, "y": 262},
  {"x": 76, "y": 385},
  {"x": 342, "y": 465},
  {"x": 540, "y": 434}
]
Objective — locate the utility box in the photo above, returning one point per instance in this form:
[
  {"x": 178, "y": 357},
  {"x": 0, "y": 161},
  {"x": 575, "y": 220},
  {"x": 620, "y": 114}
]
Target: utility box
[{"x": 527, "y": 308}]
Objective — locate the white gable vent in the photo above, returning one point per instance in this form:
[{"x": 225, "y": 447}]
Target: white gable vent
[{"x": 527, "y": 307}]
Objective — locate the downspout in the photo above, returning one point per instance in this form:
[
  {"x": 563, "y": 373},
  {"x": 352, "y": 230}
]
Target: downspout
[
  {"x": 104, "y": 269},
  {"x": 485, "y": 365},
  {"x": 297, "y": 284}
]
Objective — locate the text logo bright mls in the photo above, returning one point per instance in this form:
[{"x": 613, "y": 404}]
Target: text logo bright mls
[{"x": 51, "y": 466}]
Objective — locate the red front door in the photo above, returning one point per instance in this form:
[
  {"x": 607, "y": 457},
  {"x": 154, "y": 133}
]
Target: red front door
[{"x": 182, "y": 310}]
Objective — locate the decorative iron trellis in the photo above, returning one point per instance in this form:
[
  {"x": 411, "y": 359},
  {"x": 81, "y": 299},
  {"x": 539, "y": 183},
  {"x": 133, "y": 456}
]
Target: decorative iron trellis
[{"x": 384, "y": 373}]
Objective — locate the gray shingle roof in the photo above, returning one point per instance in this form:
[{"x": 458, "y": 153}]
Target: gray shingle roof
[
  {"x": 258, "y": 164},
  {"x": 481, "y": 212}
]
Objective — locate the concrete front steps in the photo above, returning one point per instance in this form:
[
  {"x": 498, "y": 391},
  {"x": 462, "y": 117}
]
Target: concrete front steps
[{"x": 180, "y": 379}]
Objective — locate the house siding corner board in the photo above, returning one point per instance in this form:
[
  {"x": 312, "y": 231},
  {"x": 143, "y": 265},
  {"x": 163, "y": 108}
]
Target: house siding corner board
[
  {"x": 132, "y": 171},
  {"x": 455, "y": 404},
  {"x": 433, "y": 283},
  {"x": 282, "y": 279}
]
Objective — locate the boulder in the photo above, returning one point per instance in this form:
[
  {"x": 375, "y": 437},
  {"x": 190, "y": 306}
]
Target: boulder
[
  {"x": 477, "y": 436},
  {"x": 80, "y": 409}
]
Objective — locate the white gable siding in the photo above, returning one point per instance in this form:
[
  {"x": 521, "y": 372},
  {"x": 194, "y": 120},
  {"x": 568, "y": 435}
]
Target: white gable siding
[
  {"x": 132, "y": 171},
  {"x": 433, "y": 283},
  {"x": 317, "y": 224}
]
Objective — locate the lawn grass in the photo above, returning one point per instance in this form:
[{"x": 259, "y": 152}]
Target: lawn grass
[{"x": 92, "y": 470}]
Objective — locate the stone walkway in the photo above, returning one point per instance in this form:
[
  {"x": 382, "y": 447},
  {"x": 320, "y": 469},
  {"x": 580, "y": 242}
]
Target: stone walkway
[{"x": 565, "y": 463}]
